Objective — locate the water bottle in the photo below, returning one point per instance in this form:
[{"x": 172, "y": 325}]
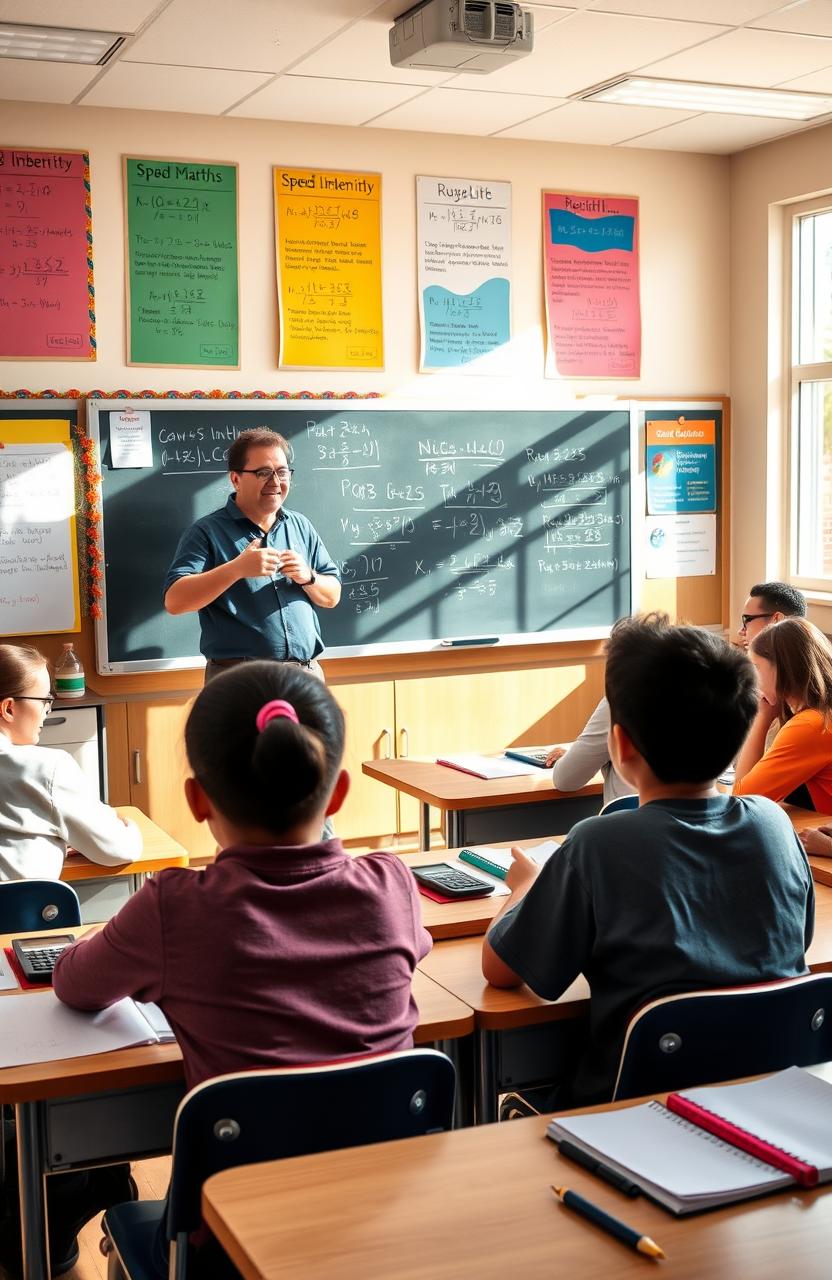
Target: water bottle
[{"x": 69, "y": 674}]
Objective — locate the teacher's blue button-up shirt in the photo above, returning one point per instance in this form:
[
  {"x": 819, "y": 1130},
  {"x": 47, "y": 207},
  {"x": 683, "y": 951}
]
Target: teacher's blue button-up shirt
[{"x": 256, "y": 617}]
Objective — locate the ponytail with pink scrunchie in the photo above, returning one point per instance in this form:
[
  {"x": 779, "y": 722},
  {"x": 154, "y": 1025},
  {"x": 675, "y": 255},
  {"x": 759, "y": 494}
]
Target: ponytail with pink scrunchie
[{"x": 273, "y": 710}]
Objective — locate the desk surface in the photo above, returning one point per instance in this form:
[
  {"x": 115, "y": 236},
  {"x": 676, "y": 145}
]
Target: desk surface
[
  {"x": 442, "y": 1016},
  {"x": 802, "y": 819},
  {"x": 159, "y": 851},
  {"x": 477, "y": 1202},
  {"x": 445, "y": 788}
]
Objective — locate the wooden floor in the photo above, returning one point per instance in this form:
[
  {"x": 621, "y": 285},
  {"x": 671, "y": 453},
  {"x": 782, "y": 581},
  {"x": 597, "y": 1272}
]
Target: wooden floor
[{"x": 152, "y": 1177}]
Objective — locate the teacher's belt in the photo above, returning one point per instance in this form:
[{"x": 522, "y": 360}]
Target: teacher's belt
[{"x": 234, "y": 662}]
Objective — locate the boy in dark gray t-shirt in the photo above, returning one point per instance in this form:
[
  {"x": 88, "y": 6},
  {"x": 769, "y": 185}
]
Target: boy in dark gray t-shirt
[{"x": 691, "y": 890}]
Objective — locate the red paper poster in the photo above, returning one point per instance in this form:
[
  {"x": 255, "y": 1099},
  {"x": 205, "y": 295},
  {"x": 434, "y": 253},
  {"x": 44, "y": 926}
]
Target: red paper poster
[
  {"x": 47, "y": 299},
  {"x": 593, "y": 310}
]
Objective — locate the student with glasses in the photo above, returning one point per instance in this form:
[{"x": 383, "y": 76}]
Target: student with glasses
[
  {"x": 254, "y": 571},
  {"x": 769, "y": 602},
  {"x": 46, "y": 802}
]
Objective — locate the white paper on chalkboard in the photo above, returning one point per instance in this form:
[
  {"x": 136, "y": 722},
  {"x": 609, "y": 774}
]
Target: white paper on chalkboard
[
  {"x": 38, "y": 565},
  {"x": 130, "y": 443}
]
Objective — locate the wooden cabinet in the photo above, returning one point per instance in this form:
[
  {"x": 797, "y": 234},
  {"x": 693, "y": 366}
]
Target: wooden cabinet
[
  {"x": 369, "y": 815},
  {"x": 158, "y": 767}
]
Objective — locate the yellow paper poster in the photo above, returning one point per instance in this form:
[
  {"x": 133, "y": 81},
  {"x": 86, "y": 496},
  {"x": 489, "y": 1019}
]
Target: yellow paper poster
[{"x": 328, "y": 237}]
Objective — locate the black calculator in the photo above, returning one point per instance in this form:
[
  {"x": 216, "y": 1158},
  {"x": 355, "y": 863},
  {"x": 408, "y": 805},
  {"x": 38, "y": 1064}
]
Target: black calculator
[
  {"x": 529, "y": 755},
  {"x": 37, "y": 956},
  {"x": 450, "y": 882}
]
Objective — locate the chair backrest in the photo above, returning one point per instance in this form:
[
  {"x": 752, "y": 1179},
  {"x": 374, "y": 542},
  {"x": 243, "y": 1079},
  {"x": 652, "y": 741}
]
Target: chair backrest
[
  {"x": 268, "y": 1115},
  {"x": 701, "y": 1037},
  {"x": 621, "y": 802},
  {"x": 32, "y": 905}
]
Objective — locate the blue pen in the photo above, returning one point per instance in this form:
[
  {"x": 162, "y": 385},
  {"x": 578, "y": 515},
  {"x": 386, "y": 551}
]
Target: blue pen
[{"x": 613, "y": 1226}]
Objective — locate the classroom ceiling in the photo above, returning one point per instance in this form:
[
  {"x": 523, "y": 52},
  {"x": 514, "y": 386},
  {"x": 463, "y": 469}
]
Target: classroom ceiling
[{"x": 326, "y": 62}]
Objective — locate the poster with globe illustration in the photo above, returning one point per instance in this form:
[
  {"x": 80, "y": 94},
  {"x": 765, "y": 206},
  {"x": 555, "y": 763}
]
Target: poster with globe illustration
[{"x": 680, "y": 466}]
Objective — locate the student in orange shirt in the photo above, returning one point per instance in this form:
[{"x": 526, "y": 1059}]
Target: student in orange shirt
[{"x": 794, "y": 667}]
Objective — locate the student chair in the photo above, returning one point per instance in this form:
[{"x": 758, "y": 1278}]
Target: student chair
[
  {"x": 268, "y": 1115},
  {"x": 29, "y": 905},
  {"x": 622, "y": 802},
  {"x": 704, "y": 1036}
]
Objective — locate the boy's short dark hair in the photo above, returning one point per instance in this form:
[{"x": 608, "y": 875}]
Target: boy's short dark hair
[
  {"x": 684, "y": 697},
  {"x": 779, "y": 597}
]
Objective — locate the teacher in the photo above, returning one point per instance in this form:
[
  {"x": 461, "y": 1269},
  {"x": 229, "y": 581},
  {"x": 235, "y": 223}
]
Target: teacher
[{"x": 252, "y": 569}]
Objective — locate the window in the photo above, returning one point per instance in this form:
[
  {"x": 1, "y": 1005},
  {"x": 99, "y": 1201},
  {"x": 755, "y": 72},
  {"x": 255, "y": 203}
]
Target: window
[{"x": 811, "y": 397}]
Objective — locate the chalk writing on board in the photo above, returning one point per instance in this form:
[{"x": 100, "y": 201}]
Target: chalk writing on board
[
  {"x": 36, "y": 529},
  {"x": 46, "y": 287},
  {"x": 182, "y": 252}
]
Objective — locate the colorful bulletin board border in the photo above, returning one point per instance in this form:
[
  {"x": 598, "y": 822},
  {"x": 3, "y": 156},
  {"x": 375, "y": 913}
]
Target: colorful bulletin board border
[
  {"x": 328, "y": 258},
  {"x": 592, "y": 285},
  {"x": 47, "y": 299}
]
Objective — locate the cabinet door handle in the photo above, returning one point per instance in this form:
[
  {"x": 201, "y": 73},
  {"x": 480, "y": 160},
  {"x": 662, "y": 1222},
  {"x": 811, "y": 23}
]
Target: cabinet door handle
[
  {"x": 137, "y": 767},
  {"x": 404, "y": 743},
  {"x": 387, "y": 734}
]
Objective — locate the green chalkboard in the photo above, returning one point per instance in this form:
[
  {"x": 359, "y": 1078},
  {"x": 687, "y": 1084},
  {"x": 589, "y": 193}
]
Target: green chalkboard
[
  {"x": 182, "y": 304},
  {"x": 445, "y": 523}
]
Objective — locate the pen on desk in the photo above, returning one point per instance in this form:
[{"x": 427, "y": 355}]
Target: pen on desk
[
  {"x": 618, "y": 1180},
  {"x": 455, "y": 644},
  {"x": 612, "y": 1226}
]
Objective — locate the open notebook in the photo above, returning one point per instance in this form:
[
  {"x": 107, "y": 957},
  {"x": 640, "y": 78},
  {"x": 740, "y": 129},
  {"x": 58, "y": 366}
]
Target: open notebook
[
  {"x": 39, "y": 1028},
  {"x": 703, "y": 1149},
  {"x": 489, "y": 766}
]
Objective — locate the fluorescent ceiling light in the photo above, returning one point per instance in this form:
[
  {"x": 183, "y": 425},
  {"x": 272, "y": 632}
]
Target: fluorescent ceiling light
[
  {"x": 57, "y": 44},
  {"x": 727, "y": 99}
]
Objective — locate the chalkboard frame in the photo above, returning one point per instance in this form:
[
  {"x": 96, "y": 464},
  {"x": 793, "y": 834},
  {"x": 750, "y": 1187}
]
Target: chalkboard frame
[{"x": 97, "y": 407}]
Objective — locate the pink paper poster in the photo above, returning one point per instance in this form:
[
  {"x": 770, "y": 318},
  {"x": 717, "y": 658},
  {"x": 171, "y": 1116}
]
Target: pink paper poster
[
  {"x": 47, "y": 309},
  {"x": 593, "y": 309}
]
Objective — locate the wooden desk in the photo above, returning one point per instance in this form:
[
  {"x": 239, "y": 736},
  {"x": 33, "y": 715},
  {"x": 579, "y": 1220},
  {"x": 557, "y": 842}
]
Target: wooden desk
[
  {"x": 519, "y": 1036},
  {"x": 477, "y": 1203},
  {"x": 159, "y": 851},
  {"x": 121, "y": 1105},
  {"x": 462, "y": 798},
  {"x": 803, "y": 820}
]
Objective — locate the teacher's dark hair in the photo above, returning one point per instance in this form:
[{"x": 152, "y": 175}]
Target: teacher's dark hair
[
  {"x": 253, "y": 438},
  {"x": 684, "y": 697},
  {"x": 272, "y": 779}
]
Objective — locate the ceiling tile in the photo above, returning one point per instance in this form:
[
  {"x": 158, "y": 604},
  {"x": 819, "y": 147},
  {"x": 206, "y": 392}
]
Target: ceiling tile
[
  {"x": 817, "y": 82},
  {"x": 147, "y": 88},
  {"x": 28, "y": 81},
  {"x": 362, "y": 52},
  {"x": 589, "y": 47},
  {"x": 716, "y": 134},
  {"x": 320, "y": 101},
  {"x": 462, "y": 111},
  {"x": 748, "y": 57},
  {"x": 729, "y": 12},
  {"x": 811, "y": 18},
  {"x": 259, "y": 35},
  {"x": 594, "y": 123},
  {"x": 93, "y": 15}
]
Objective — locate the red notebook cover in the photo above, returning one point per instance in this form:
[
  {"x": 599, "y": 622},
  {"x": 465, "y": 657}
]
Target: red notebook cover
[
  {"x": 433, "y": 895},
  {"x": 805, "y": 1175},
  {"x": 21, "y": 977}
]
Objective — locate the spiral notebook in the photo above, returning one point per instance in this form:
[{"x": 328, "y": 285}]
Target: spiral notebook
[{"x": 717, "y": 1145}]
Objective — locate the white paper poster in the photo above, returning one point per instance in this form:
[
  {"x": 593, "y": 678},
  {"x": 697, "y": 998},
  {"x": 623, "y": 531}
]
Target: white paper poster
[
  {"x": 130, "y": 440},
  {"x": 680, "y": 546},
  {"x": 464, "y": 229}
]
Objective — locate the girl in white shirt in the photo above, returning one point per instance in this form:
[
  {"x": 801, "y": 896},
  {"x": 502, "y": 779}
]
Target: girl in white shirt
[{"x": 46, "y": 802}]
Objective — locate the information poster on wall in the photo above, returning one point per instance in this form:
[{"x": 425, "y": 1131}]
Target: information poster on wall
[
  {"x": 681, "y": 465},
  {"x": 591, "y": 269},
  {"x": 38, "y": 551},
  {"x": 182, "y": 279},
  {"x": 328, "y": 238},
  {"x": 680, "y": 546},
  {"x": 47, "y": 297},
  {"x": 464, "y": 243}
]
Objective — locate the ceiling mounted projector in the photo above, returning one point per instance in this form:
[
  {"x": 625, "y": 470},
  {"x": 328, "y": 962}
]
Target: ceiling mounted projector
[{"x": 461, "y": 35}]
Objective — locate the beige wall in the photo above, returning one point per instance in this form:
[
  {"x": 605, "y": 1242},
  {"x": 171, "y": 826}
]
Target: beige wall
[
  {"x": 684, "y": 246},
  {"x": 764, "y": 181}
]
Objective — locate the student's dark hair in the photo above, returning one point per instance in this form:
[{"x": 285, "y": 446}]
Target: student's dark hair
[
  {"x": 802, "y": 660},
  {"x": 779, "y": 597},
  {"x": 684, "y": 697},
  {"x": 19, "y": 665},
  {"x": 272, "y": 778},
  {"x": 253, "y": 438}
]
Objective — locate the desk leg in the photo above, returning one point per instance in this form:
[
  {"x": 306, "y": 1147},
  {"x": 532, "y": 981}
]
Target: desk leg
[
  {"x": 487, "y": 1057},
  {"x": 424, "y": 825},
  {"x": 32, "y": 1191},
  {"x": 461, "y": 1053},
  {"x": 453, "y": 828}
]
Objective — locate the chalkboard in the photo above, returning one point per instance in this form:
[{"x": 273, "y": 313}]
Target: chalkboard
[
  {"x": 182, "y": 305},
  {"x": 445, "y": 523}
]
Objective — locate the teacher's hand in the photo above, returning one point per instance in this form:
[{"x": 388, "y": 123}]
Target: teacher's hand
[
  {"x": 294, "y": 567},
  {"x": 258, "y": 561}
]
